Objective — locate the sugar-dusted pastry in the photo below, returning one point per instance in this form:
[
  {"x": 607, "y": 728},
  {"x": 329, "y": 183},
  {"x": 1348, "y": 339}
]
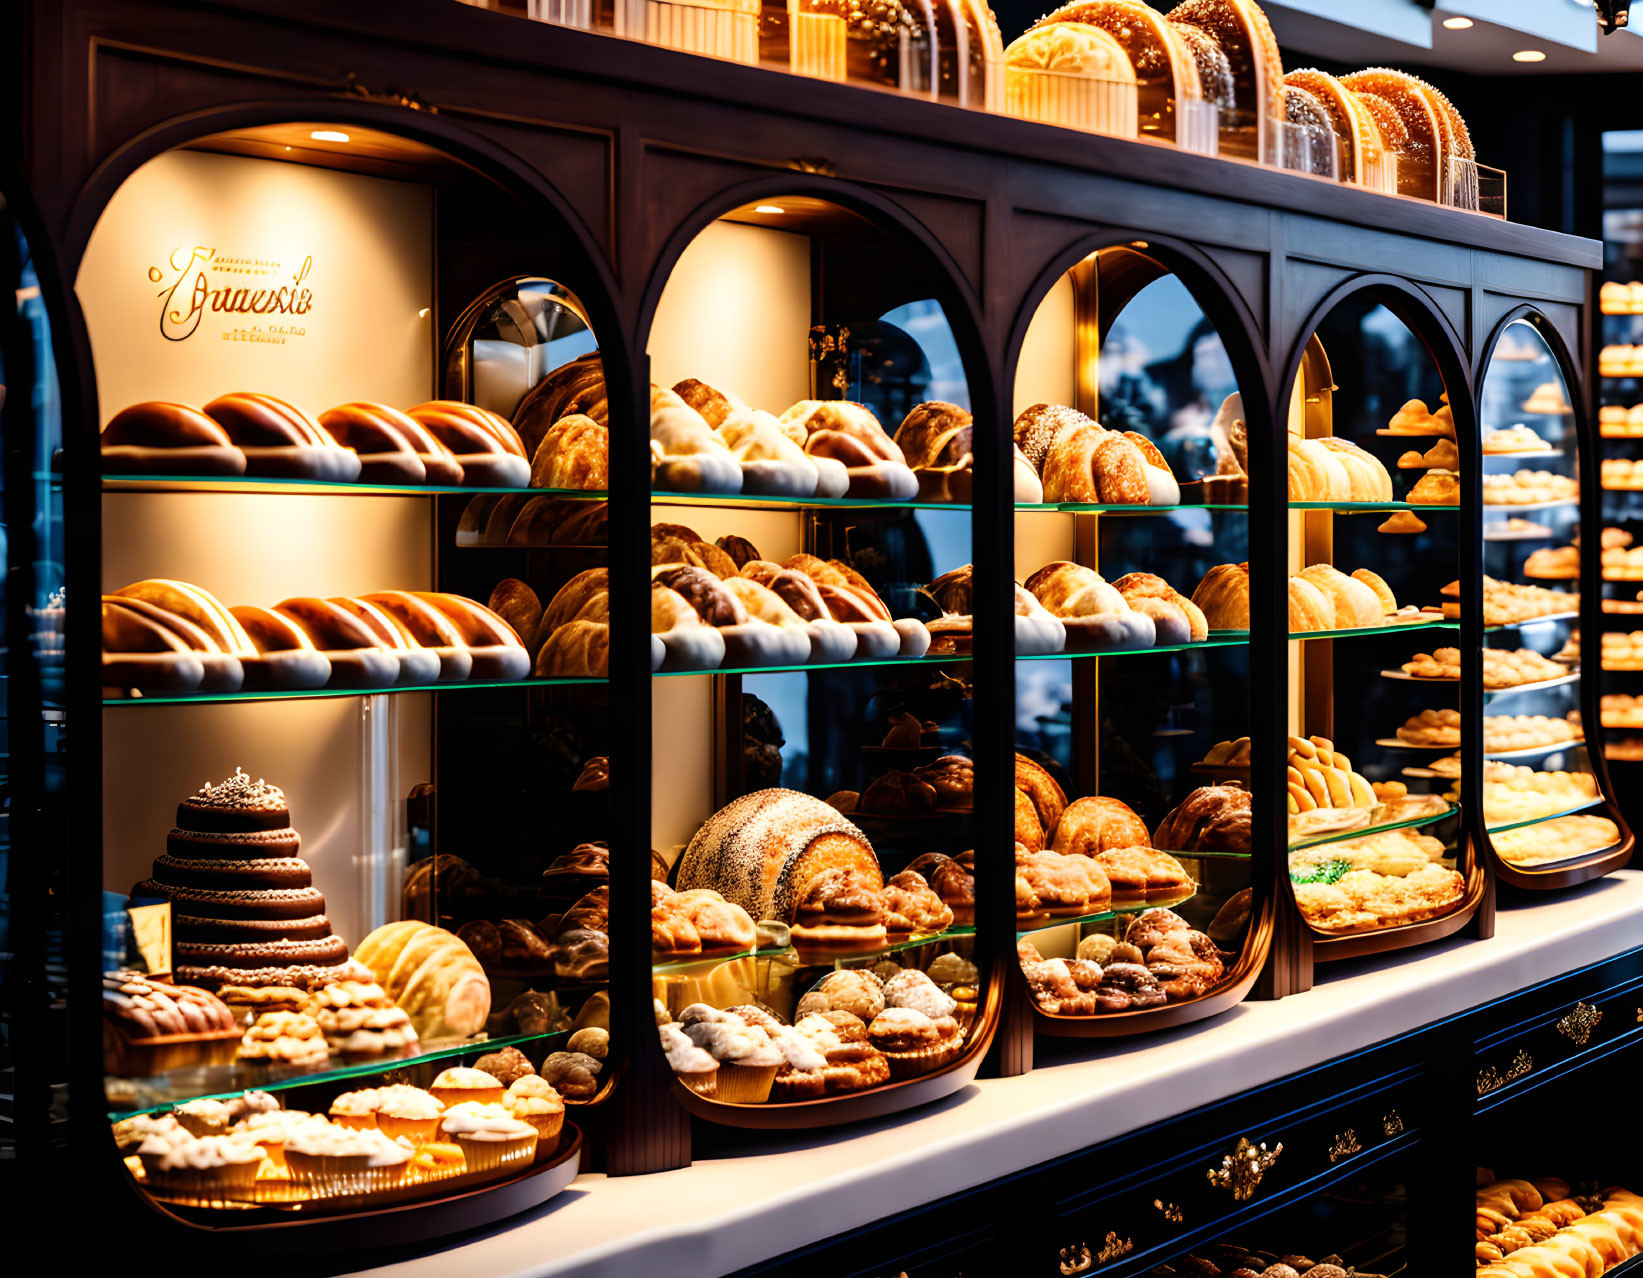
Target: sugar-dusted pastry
[
  {"x": 1089, "y": 465},
  {"x": 1074, "y": 75},
  {"x": 781, "y": 854},
  {"x": 1241, "y": 31},
  {"x": 1361, "y": 148},
  {"x": 1437, "y": 134}
]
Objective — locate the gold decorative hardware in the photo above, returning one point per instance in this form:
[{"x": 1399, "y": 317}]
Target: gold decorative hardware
[
  {"x": 1578, "y": 1025},
  {"x": 410, "y": 101},
  {"x": 1392, "y": 1124},
  {"x": 1169, "y": 1211},
  {"x": 1491, "y": 1079},
  {"x": 1345, "y": 1146},
  {"x": 1242, "y": 1169},
  {"x": 1076, "y": 1259},
  {"x": 814, "y": 164},
  {"x": 1113, "y": 1248}
]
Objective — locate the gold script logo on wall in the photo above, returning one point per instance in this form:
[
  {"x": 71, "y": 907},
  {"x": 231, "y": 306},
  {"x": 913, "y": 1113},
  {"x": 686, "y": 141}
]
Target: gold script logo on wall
[{"x": 236, "y": 290}]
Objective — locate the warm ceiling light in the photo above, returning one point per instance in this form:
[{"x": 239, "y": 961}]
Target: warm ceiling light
[
  {"x": 1457, "y": 24},
  {"x": 1528, "y": 55},
  {"x": 328, "y": 135},
  {"x": 769, "y": 208}
]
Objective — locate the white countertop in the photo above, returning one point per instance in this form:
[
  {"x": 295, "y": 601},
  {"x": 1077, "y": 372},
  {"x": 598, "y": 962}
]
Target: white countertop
[{"x": 724, "y": 1213}]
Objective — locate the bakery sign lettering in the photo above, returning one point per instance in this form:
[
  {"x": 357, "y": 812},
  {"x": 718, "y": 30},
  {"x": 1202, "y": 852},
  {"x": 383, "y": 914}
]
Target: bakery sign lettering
[{"x": 200, "y": 282}]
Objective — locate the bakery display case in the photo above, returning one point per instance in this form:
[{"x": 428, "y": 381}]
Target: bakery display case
[
  {"x": 1547, "y": 815},
  {"x": 1378, "y": 853},
  {"x": 1139, "y": 900},
  {"x": 359, "y": 966},
  {"x": 817, "y": 947}
]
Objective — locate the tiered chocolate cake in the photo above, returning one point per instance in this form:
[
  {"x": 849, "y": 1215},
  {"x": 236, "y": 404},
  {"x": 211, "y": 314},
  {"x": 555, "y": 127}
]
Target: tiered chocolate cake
[{"x": 244, "y": 906}]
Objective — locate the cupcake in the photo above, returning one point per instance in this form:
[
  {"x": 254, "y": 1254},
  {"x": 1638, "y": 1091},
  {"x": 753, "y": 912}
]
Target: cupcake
[
  {"x": 271, "y": 1129},
  {"x": 532, "y": 1100},
  {"x": 912, "y": 988},
  {"x": 331, "y": 1160},
  {"x": 408, "y": 1112},
  {"x": 130, "y": 1133},
  {"x": 437, "y": 1159},
  {"x": 800, "y": 1077},
  {"x": 200, "y": 1167},
  {"x": 853, "y": 990},
  {"x": 691, "y": 1065},
  {"x": 203, "y": 1117},
  {"x": 488, "y": 1136},
  {"x": 460, "y": 1085},
  {"x": 913, "y": 1042},
  {"x": 356, "y": 1110},
  {"x": 748, "y": 1060},
  {"x": 248, "y": 1103}
]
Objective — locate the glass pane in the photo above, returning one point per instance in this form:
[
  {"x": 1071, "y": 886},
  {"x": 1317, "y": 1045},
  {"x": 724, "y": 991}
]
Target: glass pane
[
  {"x": 812, "y": 789},
  {"x": 1133, "y": 867},
  {"x": 1372, "y": 779}
]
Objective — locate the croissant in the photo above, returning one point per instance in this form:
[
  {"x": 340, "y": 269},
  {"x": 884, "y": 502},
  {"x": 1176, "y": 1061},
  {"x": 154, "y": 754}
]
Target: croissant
[
  {"x": 1367, "y": 479},
  {"x": 715, "y": 406},
  {"x": 937, "y": 440},
  {"x": 487, "y": 447},
  {"x": 1309, "y": 607},
  {"x": 1316, "y": 473},
  {"x": 576, "y": 388},
  {"x": 1223, "y": 596},
  {"x": 1137, "y": 587},
  {"x": 577, "y": 649},
  {"x": 1039, "y": 804},
  {"x": 1037, "y": 428},
  {"x": 686, "y": 454},
  {"x": 1353, "y": 604},
  {"x": 393, "y": 447},
  {"x": 1099, "y": 824}
]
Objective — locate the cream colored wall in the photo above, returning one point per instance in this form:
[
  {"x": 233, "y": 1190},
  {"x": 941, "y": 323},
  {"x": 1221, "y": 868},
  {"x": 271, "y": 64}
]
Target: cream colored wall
[
  {"x": 1045, "y": 372},
  {"x": 735, "y": 313},
  {"x": 681, "y": 751},
  {"x": 1041, "y": 539}
]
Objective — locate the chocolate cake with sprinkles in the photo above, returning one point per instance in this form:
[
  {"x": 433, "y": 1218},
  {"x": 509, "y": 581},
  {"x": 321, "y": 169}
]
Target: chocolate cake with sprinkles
[{"x": 244, "y": 907}]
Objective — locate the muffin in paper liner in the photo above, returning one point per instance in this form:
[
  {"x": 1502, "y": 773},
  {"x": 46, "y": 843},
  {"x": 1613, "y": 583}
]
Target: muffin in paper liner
[
  {"x": 233, "y": 1181},
  {"x": 419, "y": 1131},
  {"x": 746, "y": 1084},
  {"x": 487, "y": 1153},
  {"x": 705, "y": 1084},
  {"x": 353, "y": 1122},
  {"x": 334, "y": 1175}
]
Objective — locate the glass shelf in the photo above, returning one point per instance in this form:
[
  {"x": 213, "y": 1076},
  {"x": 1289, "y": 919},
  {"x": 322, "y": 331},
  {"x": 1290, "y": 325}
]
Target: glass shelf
[
  {"x": 762, "y": 501},
  {"x": 276, "y": 484},
  {"x": 1493, "y": 828},
  {"x": 1530, "y": 505},
  {"x": 278, "y": 694},
  {"x": 805, "y": 668},
  {"x": 1341, "y": 836},
  {"x": 1217, "y": 639},
  {"x": 824, "y": 955},
  {"x": 1548, "y": 619},
  {"x": 1368, "y": 507},
  {"x": 1084, "y": 508},
  {"x": 1494, "y": 694},
  {"x": 1113, "y": 911},
  {"x": 1298, "y": 636},
  {"x": 221, "y": 1082},
  {"x": 1536, "y": 752}
]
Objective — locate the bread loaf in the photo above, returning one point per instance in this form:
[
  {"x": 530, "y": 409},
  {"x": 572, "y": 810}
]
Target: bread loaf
[
  {"x": 287, "y": 658},
  {"x": 573, "y": 389},
  {"x": 432, "y": 975},
  {"x": 143, "y": 652},
  {"x": 847, "y": 433},
  {"x": 574, "y": 453},
  {"x": 1037, "y": 632},
  {"x": 159, "y": 438},
  {"x": 686, "y": 454},
  {"x": 417, "y": 665},
  {"x": 358, "y": 658},
  {"x": 426, "y": 627},
  {"x": 1098, "y": 824},
  {"x": 1223, "y": 597},
  {"x": 487, "y": 448},
  {"x": 937, "y": 440},
  {"x": 771, "y": 462},
  {"x": 1094, "y": 615},
  {"x": 1088, "y": 465},
  {"x": 279, "y": 439},
  {"x": 393, "y": 447}
]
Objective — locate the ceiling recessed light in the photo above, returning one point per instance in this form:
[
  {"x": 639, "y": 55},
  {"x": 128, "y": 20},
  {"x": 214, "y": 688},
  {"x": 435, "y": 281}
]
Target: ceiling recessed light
[
  {"x": 1528, "y": 55},
  {"x": 1457, "y": 24},
  {"x": 769, "y": 208},
  {"x": 328, "y": 135}
]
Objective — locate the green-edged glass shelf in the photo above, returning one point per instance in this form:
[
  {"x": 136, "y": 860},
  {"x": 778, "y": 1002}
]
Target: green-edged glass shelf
[
  {"x": 1113, "y": 911},
  {"x": 1495, "y": 694},
  {"x": 1096, "y": 508},
  {"x": 1296, "y": 636},
  {"x": 1369, "y": 507},
  {"x": 221, "y": 1082},
  {"x": 803, "y": 668},
  {"x": 1597, "y": 801},
  {"x": 1340, "y": 836},
  {"x": 279, "y": 484},
  {"x": 764, "y": 501},
  {"x": 1217, "y": 639},
  {"x": 286, "y": 694},
  {"x": 825, "y": 955}
]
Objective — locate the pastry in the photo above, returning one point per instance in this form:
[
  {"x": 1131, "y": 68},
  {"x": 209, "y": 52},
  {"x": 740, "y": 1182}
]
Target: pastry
[
  {"x": 1414, "y": 418},
  {"x": 1514, "y": 439},
  {"x": 1038, "y": 632},
  {"x": 1074, "y": 75},
  {"x": 1152, "y": 596},
  {"x": 838, "y": 431},
  {"x": 1437, "y": 135},
  {"x": 1528, "y": 488},
  {"x": 486, "y": 447},
  {"x": 772, "y": 461},
  {"x": 1089, "y": 465},
  {"x": 571, "y": 390},
  {"x": 952, "y": 632},
  {"x": 1241, "y": 31},
  {"x": 285, "y": 1038},
  {"x": 1223, "y": 597},
  {"x": 1095, "y": 616},
  {"x": 1442, "y": 455},
  {"x": 573, "y": 454},
  {"x": 431, "y": 974},
  {"x": 952, "y": 881},
  {"x": 936, "y": 441},
  {"x": 141, "y": 1008},
  {"x": 1097, "y": 824},
  {"x": 1559, "y": 839},
  {"x": 159, "y": 438},
  {"x": 1402, "y": 521},
  {"x": 242, "y": 900},
  {"x": 157, "y": 632},
  {"x": 1037, "y": 428},
  {"x": 280, "y": 440},
  {"x": 1432, "y": 727},
  {"x": 1211, "y": 818},
  {"x": 1437, "y": 488},
  {"x": 1039, "y": 804},
  {"x": 1320, "y": 777},
  {"x": 393, "y": 447}
]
